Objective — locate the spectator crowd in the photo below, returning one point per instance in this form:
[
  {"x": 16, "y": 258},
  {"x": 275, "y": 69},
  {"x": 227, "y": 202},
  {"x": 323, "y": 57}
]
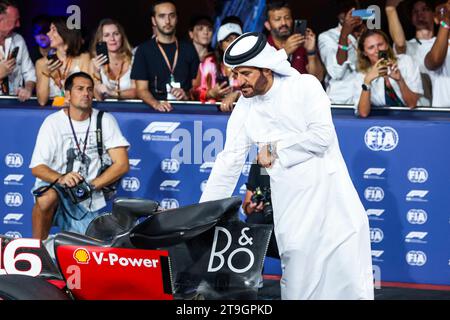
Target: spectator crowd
[{"x": 357, "y": 65}]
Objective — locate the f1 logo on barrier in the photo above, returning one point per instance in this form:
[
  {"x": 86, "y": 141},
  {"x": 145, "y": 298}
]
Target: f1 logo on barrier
[
  {"x": 244, "y": 240},
  {"x": 9, "y": 257}
]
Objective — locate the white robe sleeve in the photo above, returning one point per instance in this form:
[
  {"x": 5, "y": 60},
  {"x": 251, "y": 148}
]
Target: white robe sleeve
[
  {"x": 315, "y": 109},
  {"x": 229, "y": 163}
]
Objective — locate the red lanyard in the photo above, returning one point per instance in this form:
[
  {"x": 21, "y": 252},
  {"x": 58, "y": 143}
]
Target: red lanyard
[{"x": 175, "y": 60}]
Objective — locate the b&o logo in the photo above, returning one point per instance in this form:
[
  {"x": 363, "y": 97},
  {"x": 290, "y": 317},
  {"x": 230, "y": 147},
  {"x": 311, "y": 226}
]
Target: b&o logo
[
  {"x": 170, "y": 166},
  {"x": 14, "y": 160},
  {"x": 131, "y": 184},
  {"x": 416, "y": 258},
  {"x": 417, "y": 175},
  {"x": 167, "y": 204},
  {"x": 13, "y": 199},
  {"x": 376, "y": 235},
  {"x": 417, "y": 216},
  {"x": 381, "y": 138},
  {"x": 374, "y": 194}
]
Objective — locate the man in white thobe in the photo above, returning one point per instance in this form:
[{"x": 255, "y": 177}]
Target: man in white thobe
[{"x": 320, "y": 224}]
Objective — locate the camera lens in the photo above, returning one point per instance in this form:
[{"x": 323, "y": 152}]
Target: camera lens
[{"x": 79, "y": 192}]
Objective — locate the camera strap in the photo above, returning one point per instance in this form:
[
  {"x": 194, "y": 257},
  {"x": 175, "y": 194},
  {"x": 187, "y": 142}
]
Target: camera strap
[
  {"x": 99, "y": 136},
  {"x": 83, "y": 153}
]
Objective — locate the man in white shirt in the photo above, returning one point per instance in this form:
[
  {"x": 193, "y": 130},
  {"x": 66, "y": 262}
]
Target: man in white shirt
[
  {"x": 320, "y": 224},
  {"x": 338, "y": 50},
  {"x": 437, "y": 60},
  {"x": 67, "y": 156},
  {"x": 17, "y": 73}
]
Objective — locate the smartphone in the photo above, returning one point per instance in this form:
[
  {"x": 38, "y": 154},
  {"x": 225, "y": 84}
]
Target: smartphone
[
  {"x": 102, "y": 48},
  {"x": 364, "y": 14},
  {"x": 221, "y": 79},
  {"x": 13, "y": 54},
  {"x": 51, "y": 55},
  {"x": 300, "y": 26},
  {"x": 383, "y": 54}
]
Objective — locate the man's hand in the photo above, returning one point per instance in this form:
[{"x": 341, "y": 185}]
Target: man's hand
[
  {"x": 163, "y": 106},
  {"x": 219, "y": 91},
  {"x": 227, "y": 104},
  {"x": 179, "y": 94},
  {"x": 70, "y": 179},
  {"x": 265, "y": 158},
  {"x": 393, "y": 3},
  {"x": 293, "y": 43},
  {"x": 7, "y": 67},
  {"x": 254, "y": 207},
  {"x": 310, "y": 40},
  {"x": 350, "y": 24},
  {"x": 23, "y": 94}
]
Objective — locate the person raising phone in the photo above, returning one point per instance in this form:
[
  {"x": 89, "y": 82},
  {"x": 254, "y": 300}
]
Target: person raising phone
[
  {"x": 384, "y": 78},
  {"x": 16, "y": 67},
  {"x": 112, "y": 62},
  {"x": 300, "y": 48},
  {"x": 65, "y": 59}
]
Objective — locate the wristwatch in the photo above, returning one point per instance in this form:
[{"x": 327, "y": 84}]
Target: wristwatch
[{"x": 366, "y": 87}]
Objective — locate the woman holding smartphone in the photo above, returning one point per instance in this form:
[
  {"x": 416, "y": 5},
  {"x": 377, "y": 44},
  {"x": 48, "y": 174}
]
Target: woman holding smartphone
[
  {"x": 111, "y": 63},
  {"x": 65, "y": 58},
  {"x": 384, "y": 79}
]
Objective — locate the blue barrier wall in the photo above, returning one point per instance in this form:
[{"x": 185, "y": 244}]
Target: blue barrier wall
[{"x": 399, "y": 165}]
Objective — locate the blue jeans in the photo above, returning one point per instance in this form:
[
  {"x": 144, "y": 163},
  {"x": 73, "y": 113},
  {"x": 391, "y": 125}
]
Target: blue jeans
[{"x": 69, "y": 216}]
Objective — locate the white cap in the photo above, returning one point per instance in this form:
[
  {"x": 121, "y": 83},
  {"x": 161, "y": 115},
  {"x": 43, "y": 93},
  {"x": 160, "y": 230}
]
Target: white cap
[{"x": 227, "y": 29}]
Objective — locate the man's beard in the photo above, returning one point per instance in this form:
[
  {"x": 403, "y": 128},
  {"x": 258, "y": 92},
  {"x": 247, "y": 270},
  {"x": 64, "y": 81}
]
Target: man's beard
[
  {"x": 166, "y": 33},
  {"x": 282, "y": 36},
  {"x": 258, "y": 88}
]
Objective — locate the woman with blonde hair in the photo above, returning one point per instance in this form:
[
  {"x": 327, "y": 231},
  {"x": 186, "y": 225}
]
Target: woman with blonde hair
[
  {"x": 65, "y": 58},
  {"x": 384, "y": 79},
  {"x": 112, "y": 72}
]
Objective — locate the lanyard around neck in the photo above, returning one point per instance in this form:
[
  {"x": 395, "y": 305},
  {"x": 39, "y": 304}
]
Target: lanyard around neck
[
  {"x": 75, "y": 136},
  {"x": 166, "y": 59}
]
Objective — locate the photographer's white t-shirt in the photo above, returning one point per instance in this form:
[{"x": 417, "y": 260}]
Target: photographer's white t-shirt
[{"x": 56, "y": 148}]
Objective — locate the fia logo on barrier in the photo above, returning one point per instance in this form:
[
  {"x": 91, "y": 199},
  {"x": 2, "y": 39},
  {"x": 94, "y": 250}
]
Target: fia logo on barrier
[
  {"x": 381, "y": 138},
  {"x": 13, "y": 199},
  {"x": 416, "y": 237},
  {"x": 417, "y": 216},
  {"x": 160, "y": 131},
  {"x": 417, "y": 196},
  {"x": 375, "y": 214},
  {"x": 167, "y": 204},
  {"x": 374, "y": 173},
  {"x": 14, "y": 160},
  {"x": 374, "y": 194},
  {"x": 169, "y": 185},
  {"x": 131, "y": 184},
  {"x": 13, "y": 218},
  {"x": 416, "y": 258},
  {"x": 170, "y": 166},
  {"x": 417, "y": 175},
  {"x": 376, "y": 235}
]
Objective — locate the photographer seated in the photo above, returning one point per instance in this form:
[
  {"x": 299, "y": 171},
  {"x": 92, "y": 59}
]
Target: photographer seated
[
  {"x": 384, "y": 79},
  {"x": 75, "y": 168},
  {"x": 257, "y": 204}
]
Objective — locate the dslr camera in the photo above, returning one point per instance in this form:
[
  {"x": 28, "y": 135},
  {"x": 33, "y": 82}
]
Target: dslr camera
[
  {"x": 80, "y": 192},
  {"x": 264, "y": 195}
]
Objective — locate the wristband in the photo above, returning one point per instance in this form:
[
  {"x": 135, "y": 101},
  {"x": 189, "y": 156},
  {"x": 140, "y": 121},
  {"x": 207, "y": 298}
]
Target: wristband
[
  {"x": 343, "y": 48},
  {"x": 445, "y": 25},
  {"x": 311, "y": 53}
]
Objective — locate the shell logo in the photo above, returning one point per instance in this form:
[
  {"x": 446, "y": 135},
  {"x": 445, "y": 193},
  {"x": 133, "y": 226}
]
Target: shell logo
[{"x": 81, "y": 256}]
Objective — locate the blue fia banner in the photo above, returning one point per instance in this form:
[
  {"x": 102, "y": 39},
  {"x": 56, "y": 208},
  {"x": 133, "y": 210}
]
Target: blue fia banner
[{"x": 399, "y": 167}]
